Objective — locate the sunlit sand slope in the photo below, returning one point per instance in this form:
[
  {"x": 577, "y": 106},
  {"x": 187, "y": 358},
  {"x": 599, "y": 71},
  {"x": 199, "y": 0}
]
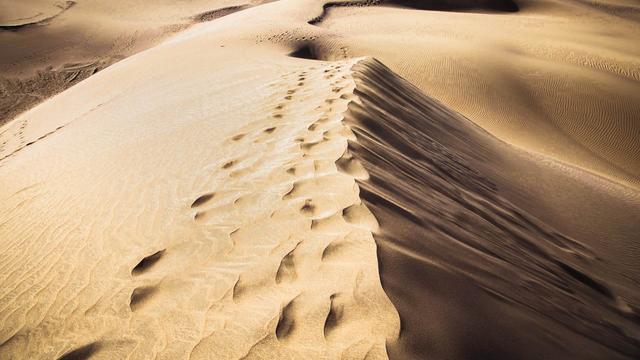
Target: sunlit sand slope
[
  {"x": 251, "y": 192},
  {"x": 557, "y": 77},
  {"x": 48, "y": 46}
]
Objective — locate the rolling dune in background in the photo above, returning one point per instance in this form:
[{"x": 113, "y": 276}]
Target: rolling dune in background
[
  {"x": 558, "y": 78},
  {"x": 49, "y": 45},
  {"x": 314, "y": 179}
]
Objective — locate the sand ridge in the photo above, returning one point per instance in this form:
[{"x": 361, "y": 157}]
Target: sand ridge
[
  {"x": 249, "y": 189},
  {"x": 276, "y": 254},
  {"x": 555, "y": 77},
  {"x": 451, "y": 222}
]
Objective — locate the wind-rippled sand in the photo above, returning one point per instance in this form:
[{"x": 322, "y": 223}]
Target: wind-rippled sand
[{"x": 322, "y": 180}]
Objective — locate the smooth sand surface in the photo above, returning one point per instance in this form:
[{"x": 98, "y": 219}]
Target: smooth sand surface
[
  {"x": 50, "y": 45},
  {"x": 328, "y": 180},
  {"x": 560, "y": 78}
]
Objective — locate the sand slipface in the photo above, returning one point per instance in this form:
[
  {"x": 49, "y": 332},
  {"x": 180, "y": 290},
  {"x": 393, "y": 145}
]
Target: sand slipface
[
  {"x": 253, "y": 188},
  {"x": 474, "y": 257}
]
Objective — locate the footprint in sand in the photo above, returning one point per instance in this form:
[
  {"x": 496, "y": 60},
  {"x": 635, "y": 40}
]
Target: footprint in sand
[
  {"x": 83, "y": 352},
  {"x": 147, "y": 263},
  {"x": 238, "y": 137},
  {"x": 202, "y": 199},
  {"x": 229, "y": 164},
  {"x": 287, "y": 323},
  {"x": 287, "y": 269},
  {"x": 141, "y": 296}
]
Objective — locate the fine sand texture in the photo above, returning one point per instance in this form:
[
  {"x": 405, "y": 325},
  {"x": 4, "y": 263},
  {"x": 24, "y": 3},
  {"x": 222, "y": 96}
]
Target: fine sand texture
[
  {"x": 560, "y": 78},
  {"x": 50, "y": 45},
  {"x": 307, "y": 179}
]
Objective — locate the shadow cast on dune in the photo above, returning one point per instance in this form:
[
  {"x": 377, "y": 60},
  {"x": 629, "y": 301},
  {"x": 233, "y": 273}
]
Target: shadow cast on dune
[
  {"x": 480, "y": 268},
  {"x": 318, "y": 50},
  {"x": 457, "y": 5},
  {"x": 82, "y": 353},
  {"x": 306, "y": 51},
  {"x": 436, "y": 5}
]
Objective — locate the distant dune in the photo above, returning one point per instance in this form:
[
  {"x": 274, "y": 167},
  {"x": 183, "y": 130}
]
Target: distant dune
[
  {"x": 321, "y": 180},
  {"x": 558, "y": 78},
  {"x": 48, "y": 45}
]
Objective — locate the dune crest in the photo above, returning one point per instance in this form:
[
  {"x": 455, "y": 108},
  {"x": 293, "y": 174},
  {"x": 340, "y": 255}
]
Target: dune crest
[
  {"x": 295, "y": 277},
  {"x": 556, "y": 77},
  {"x": 253, "y": 188},
  {"x": 446, "y": 219}
]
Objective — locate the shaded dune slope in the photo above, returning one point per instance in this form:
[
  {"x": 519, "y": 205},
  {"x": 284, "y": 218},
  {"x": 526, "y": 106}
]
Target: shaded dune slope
[
  {"x": 218, "y": 13},
  {"x": 439, "y": 5},
  {"x": 467, "y": 269},
  {"x": 487, "y": 5},
  {"x": 628, "y": 10}
]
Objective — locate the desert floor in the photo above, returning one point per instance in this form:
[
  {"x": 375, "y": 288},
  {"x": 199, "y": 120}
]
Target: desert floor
[{"x": 314, "y": 179}]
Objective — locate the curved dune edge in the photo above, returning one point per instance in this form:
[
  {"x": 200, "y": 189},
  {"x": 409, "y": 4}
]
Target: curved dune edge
[
  {"x": 38, "y": 19},
  {"x": 459, "y": 259}
]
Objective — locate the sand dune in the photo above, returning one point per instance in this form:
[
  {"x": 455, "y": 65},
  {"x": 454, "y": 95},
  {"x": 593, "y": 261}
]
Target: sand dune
[
  {"x": 241, "y": 261},
  {"x": 445, "y": 218},
  {"x": 51, "y": 45},
  {"x": 259, "y": 186},
  {"x": 558, "y": 78},
  {"x": 29, "y": 15}
]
